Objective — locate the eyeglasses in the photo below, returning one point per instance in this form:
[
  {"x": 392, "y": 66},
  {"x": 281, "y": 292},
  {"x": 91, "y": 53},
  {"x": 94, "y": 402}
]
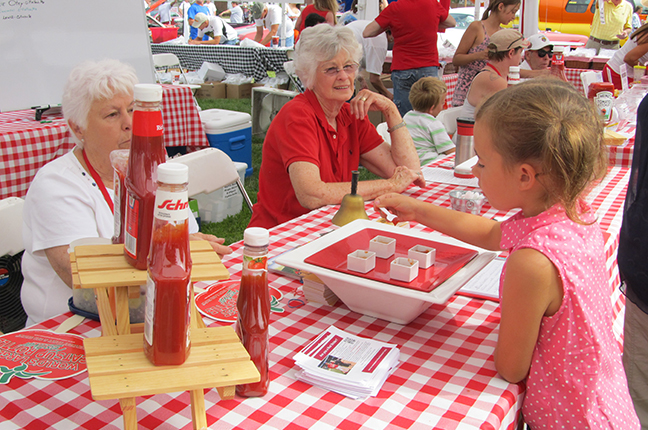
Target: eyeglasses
[
  {"x": 349, "y": 69},
  {"x": 542, "y": 53}
]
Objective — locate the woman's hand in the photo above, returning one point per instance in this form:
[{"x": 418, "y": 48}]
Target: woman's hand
[
  {"x": 405, "y": 208},
  {"x": 403, "y": 177},
  {"x": 366, "y": 100},
  {"x": 215, "y": 242}
]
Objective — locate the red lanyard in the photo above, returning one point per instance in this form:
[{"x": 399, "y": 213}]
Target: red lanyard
[
  {"x": 99, "y": 183},
  {"x": 493, "y": 67}
]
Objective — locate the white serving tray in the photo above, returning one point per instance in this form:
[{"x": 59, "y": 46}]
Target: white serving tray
[{"x": 380, "y": 299}]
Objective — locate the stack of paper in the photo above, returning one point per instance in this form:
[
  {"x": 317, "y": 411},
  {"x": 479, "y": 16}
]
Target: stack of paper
[
  {"x": 316, "y": 291},
  {"x": 347, "y": 364}
]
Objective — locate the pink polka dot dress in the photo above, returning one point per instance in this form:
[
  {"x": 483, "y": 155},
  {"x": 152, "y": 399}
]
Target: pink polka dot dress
[{"x": 576, "y": 379}]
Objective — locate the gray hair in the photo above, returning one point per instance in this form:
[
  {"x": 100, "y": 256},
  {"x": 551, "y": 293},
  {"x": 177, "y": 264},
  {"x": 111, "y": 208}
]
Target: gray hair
[
  {"x": 91, "y": 81},
  {"x": 322, "y": 43}
]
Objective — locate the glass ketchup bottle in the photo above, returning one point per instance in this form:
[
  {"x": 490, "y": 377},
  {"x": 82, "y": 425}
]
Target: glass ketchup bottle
[
  {"x": 253, "y": 305},
  {"x": 166, "y": 324},
  {"x": 146, "y": 153}
]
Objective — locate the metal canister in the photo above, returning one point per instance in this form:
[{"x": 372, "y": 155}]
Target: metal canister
[{"x": 465, "y": 140}]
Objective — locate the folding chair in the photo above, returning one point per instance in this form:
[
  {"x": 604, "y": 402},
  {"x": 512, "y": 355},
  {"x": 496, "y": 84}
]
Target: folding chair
[{"x": 166, "y": 62}]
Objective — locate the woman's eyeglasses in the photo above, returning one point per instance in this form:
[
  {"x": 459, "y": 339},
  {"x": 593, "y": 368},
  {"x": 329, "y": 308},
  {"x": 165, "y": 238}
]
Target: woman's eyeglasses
[
  {"x": 542, "y": 53},
  {"x": 349, "y": 69}
]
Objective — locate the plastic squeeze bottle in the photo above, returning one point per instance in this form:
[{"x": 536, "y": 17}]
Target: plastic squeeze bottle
[
  {"x": 146, "y": 153},
  {"x": 514, "y": 75},
  {"x": 253, "y": 305},
  {"x": 166, "y": 324},
  {"x": 558, "y": 63}
]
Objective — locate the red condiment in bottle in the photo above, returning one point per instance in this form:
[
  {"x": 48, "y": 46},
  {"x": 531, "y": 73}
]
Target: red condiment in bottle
[
  {"x": 558, "y": 63},
  {"x": 253, "y": 305},
  {"x": 166, "y": 325},
  {"x": 147, "y": 151},
  {"x": 597, "y": 87}
]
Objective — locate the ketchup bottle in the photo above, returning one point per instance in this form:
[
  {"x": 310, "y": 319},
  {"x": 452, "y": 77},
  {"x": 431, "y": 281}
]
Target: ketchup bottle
[
  {"x": 147, "y": 151},
  {"x": 558, "y": 63},
  {"x": 166, "y": 324},
  {"x": 119, "y": 161},
  {"x": 253, "y": 305}
]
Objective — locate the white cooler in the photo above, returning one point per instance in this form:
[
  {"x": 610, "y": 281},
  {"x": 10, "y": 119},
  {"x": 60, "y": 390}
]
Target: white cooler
[{"x": 231, "y": 132}]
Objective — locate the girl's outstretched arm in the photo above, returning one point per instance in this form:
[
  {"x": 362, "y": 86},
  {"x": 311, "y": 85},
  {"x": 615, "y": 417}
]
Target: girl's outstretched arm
[
  {"x": 532, "y": 289},
  {"x": 472, "y": 229}
]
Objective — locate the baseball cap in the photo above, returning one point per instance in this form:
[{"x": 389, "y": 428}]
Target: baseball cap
[
  {"x": 199, "y": 19},
  {"x": 257, "y": 10},
  {"x": 538, "y": 41},
  {"x": 506, "y": 39}
]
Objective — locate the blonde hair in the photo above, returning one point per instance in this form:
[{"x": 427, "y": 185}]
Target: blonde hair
[
  {"x": 426, "y": 93},
  {"x": 548, "y": 123},
  {"x": 328, "y": 5}
]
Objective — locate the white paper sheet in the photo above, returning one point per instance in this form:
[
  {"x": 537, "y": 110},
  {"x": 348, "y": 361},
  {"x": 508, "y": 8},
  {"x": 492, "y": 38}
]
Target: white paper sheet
[
  {"x": 445, "y": 176},
  {"x": 485, "y": 284}
]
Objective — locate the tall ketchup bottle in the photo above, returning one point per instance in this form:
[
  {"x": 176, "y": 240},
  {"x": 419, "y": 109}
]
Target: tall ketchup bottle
[
  {"x": 253, "y": 305},
  {"x": 166, "y": 324},
  {"x": 146, "y": 153}
]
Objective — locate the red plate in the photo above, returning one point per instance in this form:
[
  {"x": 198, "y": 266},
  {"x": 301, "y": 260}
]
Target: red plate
[
  {"x": 219, "y": 301},
  {"x": 449, "y": 259},
  {"x": 40, "y": 354}
]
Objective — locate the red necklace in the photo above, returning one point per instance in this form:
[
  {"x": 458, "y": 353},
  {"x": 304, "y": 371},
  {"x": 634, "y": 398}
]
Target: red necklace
[
  {"x": 493, "y": 67},
  {"x": 99, "y": 182}
]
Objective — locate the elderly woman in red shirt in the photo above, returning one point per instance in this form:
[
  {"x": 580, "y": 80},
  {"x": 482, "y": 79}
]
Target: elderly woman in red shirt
[{"x": 317, "y": 139}]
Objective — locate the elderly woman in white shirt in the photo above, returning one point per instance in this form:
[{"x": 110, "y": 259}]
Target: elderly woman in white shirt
[{"x": 69, "y": 197}]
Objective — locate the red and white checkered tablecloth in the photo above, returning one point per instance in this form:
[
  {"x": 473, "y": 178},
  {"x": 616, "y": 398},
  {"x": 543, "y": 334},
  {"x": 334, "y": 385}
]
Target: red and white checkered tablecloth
[
  {"x": 573, "y": 76},
  {"x": 26, "y": 145},
  {"x": 446, "y": 379}
]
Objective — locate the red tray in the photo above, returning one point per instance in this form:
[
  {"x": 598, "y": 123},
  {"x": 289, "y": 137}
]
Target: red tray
[{"x": 449, "y": 259}]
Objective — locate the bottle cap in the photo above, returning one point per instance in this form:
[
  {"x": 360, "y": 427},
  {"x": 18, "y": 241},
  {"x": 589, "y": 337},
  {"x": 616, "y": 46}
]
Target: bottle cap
[
  {"x": 148, "y": 92},
  {"x": 514, "y": 69},
  {"x": 172, "y": 173},
  {"x": 559, "y": 49},
  {"x": 256, "y": 236}
]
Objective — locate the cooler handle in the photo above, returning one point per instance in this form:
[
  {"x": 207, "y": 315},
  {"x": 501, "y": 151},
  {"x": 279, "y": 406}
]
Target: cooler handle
[{"x": 237, "y": 143}]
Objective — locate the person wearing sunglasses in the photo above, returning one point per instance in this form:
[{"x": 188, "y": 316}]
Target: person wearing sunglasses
[
  {"x": 504, "y": 50},
  {"x": 317, "y": 139},
  {"x": 537, "y": 57}
]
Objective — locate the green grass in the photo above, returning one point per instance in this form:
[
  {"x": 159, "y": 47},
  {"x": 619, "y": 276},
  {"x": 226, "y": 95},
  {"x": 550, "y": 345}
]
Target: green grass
[{"x": 232, "y": 227}]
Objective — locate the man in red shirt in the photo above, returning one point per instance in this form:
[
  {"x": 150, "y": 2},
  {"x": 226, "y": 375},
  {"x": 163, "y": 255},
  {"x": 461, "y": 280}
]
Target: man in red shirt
[{"x": 414, "y": 25}]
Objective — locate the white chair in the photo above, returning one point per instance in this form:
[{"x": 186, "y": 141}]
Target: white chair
[
  {"x": 449, "y": 119},
  {"x": 11, "y": 210},
  {"x": 588, "y": 77},
  {"x": 382, "y": 130},
  {"x": 166, "y": 62},
  {"x": 289, "y": 67},
  {"x": 209, "y": 170}
]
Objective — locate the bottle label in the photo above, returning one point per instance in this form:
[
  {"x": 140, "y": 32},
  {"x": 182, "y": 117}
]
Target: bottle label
[
  {"x": 603, "y": 102},
  {"x": 132, "y": 219},
  {"x": 117, "y": 190},
  {"x": 172, "y": 206},
  {"x": 148, "y": 123},
  {"x": 149, "y": 314},
  {"x": 255, "y": 264},
  {"x": 558, "y": 60}
]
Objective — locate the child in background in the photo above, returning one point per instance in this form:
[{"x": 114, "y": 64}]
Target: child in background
[
  {"x": 540, "y": 147},
  {"x": 427, "y": 97}
]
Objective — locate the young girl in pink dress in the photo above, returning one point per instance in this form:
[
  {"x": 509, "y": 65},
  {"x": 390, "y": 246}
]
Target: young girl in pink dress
[{"x": 540, "y": 147}]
